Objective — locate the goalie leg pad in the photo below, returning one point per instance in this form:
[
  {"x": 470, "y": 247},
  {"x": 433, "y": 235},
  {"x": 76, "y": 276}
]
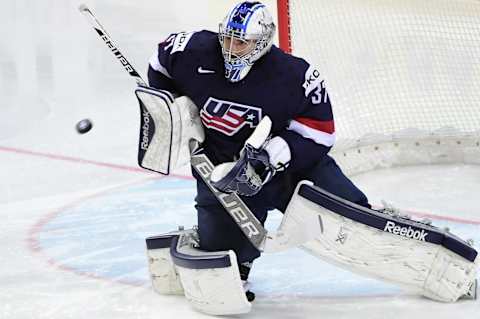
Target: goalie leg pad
[
  {"x": 164, "y": 276},
  {"x": 210, "y": 280},
  {"x": 420, "y": 257}
]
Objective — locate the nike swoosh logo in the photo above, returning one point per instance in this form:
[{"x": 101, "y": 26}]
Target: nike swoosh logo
[{"x": 204, "y": 71}]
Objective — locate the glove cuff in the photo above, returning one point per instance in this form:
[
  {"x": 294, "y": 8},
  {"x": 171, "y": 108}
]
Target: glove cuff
[{"x": 278, "y": 152}]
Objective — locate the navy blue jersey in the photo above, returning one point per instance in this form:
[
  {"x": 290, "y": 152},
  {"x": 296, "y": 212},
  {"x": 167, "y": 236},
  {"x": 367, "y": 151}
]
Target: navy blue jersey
[{"x": 286, "y": 88}]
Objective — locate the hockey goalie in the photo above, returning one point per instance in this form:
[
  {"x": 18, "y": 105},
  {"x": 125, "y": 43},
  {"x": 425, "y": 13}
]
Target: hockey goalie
[{"x": 259, "y": 126}]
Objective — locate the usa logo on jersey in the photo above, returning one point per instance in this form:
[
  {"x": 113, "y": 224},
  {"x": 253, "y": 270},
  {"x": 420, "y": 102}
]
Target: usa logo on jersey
[{"x": 229, "y": 117}]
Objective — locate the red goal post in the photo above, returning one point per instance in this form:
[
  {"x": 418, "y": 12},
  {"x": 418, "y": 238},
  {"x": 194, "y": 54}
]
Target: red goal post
[
  {"x": 283, "y": 11},
  {"x": 403, "y": 76}
]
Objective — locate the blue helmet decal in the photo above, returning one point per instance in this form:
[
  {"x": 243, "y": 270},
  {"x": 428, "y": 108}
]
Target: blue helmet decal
[{"x": 241, "y": 15}]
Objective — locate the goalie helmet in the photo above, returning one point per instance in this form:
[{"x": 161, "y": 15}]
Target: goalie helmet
[{"x": 245, "y": 35}]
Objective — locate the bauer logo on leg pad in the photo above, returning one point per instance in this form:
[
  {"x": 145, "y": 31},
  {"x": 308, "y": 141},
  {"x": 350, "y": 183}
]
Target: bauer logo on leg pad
[{"x": 408, "y": 232}]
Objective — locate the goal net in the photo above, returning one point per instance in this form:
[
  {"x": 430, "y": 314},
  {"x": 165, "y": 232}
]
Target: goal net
[{"x": 403, "y": 76}]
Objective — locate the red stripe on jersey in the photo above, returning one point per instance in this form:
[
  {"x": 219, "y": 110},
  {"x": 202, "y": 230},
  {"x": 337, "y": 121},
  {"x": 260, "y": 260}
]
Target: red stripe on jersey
[
  {"x": 210, "y": 122},
  {"x": 225, "y": 121},
  {"x": 324, "y": 126},
  {"x": 236, "y": 117}
]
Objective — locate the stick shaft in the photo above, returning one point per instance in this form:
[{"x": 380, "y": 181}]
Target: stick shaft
[
  {"x": 233, "y": 204},
  {"x": 88, "y": 14}
]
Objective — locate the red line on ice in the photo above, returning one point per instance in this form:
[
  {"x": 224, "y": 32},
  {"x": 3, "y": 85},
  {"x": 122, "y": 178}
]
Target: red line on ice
[{"x": 84, "y": 161}]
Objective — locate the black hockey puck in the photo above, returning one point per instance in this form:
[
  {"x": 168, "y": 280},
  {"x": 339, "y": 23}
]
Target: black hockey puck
[{"x": 84, "y": 126}]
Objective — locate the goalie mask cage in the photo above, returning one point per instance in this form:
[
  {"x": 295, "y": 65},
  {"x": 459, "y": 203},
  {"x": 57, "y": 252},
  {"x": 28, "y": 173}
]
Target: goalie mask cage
[{"x": 403, "y": 76}]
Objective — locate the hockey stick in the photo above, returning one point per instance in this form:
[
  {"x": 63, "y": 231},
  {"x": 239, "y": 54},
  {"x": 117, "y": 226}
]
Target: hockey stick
[{"x": 233, "y": 204}]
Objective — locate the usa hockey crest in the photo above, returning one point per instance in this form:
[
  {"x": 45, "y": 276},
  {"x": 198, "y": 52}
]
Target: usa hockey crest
[{"x": 229, "y": 117}]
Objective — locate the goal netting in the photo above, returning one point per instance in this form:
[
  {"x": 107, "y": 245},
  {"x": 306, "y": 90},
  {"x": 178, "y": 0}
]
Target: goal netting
[{"x": 403, "y": 76}]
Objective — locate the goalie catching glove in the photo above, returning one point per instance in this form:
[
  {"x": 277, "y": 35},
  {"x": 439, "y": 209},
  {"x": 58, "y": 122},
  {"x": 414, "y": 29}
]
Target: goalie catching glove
[{"x": 260, "y": 159}]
